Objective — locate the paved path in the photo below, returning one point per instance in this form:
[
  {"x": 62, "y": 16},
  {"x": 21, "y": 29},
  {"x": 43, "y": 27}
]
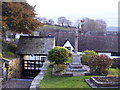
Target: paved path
[{"x": 17, "y": 84}]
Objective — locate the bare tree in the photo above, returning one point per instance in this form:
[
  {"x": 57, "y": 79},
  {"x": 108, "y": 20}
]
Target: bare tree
[
  {"x": 77, "y": 23},
  {"x": 51, "y": 21},
  {"x": 61, "y": 20},
  {"x": 101, "y": 24},
  {"x": 44, "y": 20},
  {"x": 68, "y": 23},
  {"x": 39, "y": 19},
  {"x": 91, "y": 24}
]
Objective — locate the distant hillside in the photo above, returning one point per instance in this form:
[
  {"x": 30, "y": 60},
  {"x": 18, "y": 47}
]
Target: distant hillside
[
  {"x": 53, "y": 27},
  {"x": 112, "y": 29}
]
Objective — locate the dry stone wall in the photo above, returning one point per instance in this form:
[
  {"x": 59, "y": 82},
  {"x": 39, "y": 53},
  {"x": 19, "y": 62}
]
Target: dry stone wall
[{"x": 14, "y": 70}]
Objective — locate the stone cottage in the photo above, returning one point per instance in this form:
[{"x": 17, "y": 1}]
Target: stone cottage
[{"x": 33, "y": 51}]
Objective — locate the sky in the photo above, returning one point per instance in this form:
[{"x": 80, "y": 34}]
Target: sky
[{"x": 73, "y": 10}]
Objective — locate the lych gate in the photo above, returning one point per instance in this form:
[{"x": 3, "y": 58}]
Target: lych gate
[
  {"x": 33, "y": 52},
  {"x": 32, "y": 65}
]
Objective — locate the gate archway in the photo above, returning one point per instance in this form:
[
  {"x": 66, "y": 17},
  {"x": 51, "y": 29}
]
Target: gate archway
[{"x": 32, "y": 64}]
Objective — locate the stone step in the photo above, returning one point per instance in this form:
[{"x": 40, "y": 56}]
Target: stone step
[
  {"x": 22, "y": 79},
  {"x": 79, "y": 73},
  {"x": 78, "y": 70}
]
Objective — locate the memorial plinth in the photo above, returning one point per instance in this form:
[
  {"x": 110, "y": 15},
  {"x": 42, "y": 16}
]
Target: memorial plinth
[
  {"x": 76, "y": 66},
  {"x": 76, "y": 62}
]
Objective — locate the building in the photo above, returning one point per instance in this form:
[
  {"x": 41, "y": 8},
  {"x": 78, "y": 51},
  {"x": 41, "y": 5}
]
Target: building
[
  {"x": 33, "y": 51},
  {"x": 103, "y": 42}
]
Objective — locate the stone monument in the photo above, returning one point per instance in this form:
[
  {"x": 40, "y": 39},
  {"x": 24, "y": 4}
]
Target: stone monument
[{"x": 76, "y": 66}]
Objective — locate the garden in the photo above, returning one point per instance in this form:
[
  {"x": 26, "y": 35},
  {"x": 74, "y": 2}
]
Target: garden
[{"x": 99, "y": 69}]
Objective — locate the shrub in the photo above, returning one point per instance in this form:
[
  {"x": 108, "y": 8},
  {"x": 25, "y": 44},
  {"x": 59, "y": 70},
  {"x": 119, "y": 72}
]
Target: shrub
[
  {"x": 99, "y": 64},
  {"x": 0, "y": 55},
  {"x": 58, "y": 55},
  {"x": 58, "y": 68},
  {"x": 8, "y": 49},
  {"x": 8, "y": 54},
  {"x": 116, "y": 63},
  {"x": 88, "y": 53},
  {"x": 11, "y": 47}
]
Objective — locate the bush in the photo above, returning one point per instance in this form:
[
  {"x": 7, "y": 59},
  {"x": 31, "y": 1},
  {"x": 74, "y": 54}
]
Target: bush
[
  {"x": 8, "y": 49},
  {"x": 8, "y": 54},
  {"x": 58, "y": 68},
  {"x": 88, "y": 53},
  {"x": 0, "y": 55},
  {"x": 116, "y": 63},
  {"x": 58, "y": 55},
  {"x": 12, "y": 47},
  {"x": 99, "y": 65}
]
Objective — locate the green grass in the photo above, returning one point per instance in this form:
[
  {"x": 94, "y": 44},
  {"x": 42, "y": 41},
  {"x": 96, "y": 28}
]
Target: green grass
[
  {"x": 50, "y": 81},
  {"x": 52, "y": 27},
  {"x": 55, "y": 27},
  {"x": 113, "y": 71}
]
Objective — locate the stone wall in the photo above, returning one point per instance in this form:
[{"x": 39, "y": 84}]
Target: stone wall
[
  {"x": 39, "y": 77},
  {"x": 14, "y": 70},
  {"x": 1, "y": 80},
  {"x": 0, "y": 69}
]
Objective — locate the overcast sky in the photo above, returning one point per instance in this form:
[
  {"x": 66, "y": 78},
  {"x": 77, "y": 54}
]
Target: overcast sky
[{"x": 78, "y": 9}]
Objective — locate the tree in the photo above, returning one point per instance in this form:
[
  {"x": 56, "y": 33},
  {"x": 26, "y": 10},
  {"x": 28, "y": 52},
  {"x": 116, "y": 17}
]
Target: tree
[
  {"x": 58, "y": 55},
  {"x": 91, "y": 24},
  {"x": 62, "y": 20},
  {"x": 51, "y": 22},
  {"x": 44, "y": 20},
  {"x": 87, "y": 54},
  {"x": 77, "y": 23},
  {"x": 99, "y": 64},
  {"x": 19, "y": 17},
  {"x": 68, "y": 23},
  {"x": 39, "y": 19},
  {"x": 101, "y": 24}
]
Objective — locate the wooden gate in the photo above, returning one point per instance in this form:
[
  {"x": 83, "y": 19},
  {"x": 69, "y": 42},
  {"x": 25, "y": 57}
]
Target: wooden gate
[{"x": 31, "y": 68}]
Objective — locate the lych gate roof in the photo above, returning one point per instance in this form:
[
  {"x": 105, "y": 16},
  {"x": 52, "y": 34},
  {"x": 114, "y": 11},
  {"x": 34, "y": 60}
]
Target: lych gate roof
[
  {"x": 104, "y": 41},
  {"x": 35, "y": 44}
]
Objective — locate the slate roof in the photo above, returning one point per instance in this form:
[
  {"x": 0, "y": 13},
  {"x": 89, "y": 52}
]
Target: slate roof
[
  {"x": 102, "y": 41},
  {"x": 35, "y": 44}
]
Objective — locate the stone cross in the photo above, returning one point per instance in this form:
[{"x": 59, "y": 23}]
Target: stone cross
[
  {"x": 76, "y": 41},
  {"x": 76, "y": 66}
]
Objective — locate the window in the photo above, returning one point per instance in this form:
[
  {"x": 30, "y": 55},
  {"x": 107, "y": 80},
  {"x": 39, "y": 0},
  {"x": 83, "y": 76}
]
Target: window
[
  {"x": 69, "y": 48},
  {"x": 43, "y": 59},
  {"x": 31, "y": 57},
  {"x": 33, "y": 62},
  {"x": 115, "y": 54}
]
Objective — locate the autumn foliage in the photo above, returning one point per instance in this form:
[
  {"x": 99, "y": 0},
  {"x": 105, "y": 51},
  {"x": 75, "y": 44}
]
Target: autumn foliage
[
  {"x": 99, "y": 64},
  {"x": 19, "y": 17}
]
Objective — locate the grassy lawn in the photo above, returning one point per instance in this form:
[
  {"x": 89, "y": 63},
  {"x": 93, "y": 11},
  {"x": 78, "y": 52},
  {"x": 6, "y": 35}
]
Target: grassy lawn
[
  {"x": 113, "y": 71},
  {"x": 50, "y": 81}
]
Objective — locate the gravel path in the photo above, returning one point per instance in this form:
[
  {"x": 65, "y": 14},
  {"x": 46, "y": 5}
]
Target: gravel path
[{"x": 17, "y": 84}]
